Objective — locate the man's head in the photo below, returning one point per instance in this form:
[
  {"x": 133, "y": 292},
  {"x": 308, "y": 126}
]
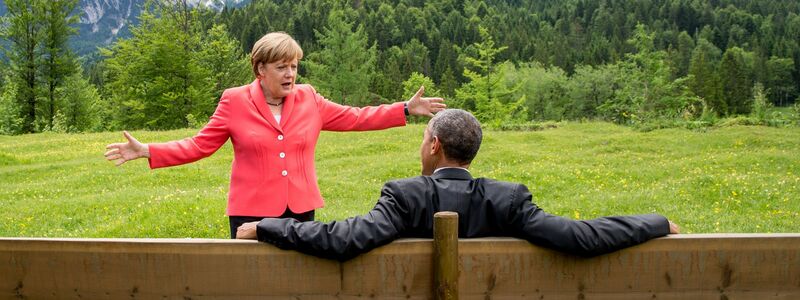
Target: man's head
[{"x": 452, "y": 139}]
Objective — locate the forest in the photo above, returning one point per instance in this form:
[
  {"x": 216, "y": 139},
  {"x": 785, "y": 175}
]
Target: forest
[{"x": 648, "y": 64}]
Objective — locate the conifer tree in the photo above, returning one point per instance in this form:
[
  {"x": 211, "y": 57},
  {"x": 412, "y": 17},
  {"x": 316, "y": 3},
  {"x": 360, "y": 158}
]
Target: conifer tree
[
  {"x": 23, "y": 30},
  {"x": 485, "y": 93},
  {"x": 704, "y": 81},
  {"x": 779, "y": 82},
  {"x": 58, "y": 60},
  {"x": 154, "y": 79},
  {"x": 736, "y": 82},
  {"x": 343, "y": 68},
  {"x": 78, "y": 107}
]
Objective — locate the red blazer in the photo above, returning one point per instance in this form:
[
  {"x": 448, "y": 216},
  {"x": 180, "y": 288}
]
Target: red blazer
[{"x": 273, "y": 164}]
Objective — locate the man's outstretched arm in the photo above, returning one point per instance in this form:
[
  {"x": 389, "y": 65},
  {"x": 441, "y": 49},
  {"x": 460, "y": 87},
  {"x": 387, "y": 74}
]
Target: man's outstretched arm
[
  {"x": 339, "y": 240},
  {"x": 586, "y": 237}
]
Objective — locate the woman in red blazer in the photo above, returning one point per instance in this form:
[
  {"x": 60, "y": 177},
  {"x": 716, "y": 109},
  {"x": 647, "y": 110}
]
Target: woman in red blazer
[{"x": 273, "y": 125}]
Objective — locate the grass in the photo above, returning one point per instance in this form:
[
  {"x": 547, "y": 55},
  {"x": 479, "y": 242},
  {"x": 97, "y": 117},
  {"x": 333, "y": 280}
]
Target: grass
[{"x": 732, "y": 179}]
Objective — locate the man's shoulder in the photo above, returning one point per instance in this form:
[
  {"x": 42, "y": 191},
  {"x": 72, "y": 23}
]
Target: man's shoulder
[
  {"x": 482, "y": 181},
  {"x": 409, "y": 181},
  {"x": 498, "y": 183}
]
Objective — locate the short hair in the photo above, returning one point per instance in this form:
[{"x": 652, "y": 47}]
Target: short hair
[
  {"x": 459, "y": 132},
  {"x": 272, "y": 47}
]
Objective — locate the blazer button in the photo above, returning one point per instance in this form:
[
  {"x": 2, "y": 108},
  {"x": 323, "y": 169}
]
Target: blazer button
[
  {"x": 280, "y": 137},
  {"x": 282, "y": 155},
  {"x": 284, "y": 173}
]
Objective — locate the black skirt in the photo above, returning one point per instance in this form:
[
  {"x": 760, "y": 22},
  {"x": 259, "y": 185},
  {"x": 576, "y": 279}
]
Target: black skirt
[{"x": 237, "y": 221}]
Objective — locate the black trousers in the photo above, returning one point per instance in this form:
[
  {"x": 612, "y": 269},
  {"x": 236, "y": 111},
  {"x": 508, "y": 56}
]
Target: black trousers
[{"x": 237, "y": 221}]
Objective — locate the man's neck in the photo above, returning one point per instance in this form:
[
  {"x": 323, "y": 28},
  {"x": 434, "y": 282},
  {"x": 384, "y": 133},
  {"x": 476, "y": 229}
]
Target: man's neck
[
  {"x": 449, "y": 164},
  {"x": 445, "y": 168}
]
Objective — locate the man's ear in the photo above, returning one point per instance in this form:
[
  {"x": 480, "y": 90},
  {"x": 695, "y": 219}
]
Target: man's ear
[{"x": 436, "y": 146}]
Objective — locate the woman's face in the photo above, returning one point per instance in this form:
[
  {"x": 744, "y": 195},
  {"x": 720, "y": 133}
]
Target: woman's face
[{"x": 277, "y": 78}]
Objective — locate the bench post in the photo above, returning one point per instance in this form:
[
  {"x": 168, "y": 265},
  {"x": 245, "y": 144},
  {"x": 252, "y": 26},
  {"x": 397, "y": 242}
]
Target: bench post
[{"x": 445, "y": 255}]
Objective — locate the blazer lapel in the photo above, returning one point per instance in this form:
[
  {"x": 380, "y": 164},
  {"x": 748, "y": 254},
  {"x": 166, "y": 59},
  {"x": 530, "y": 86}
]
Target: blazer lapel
[
  {"x": 257, "y": 96},
  {"x": 288, "y": 106}
]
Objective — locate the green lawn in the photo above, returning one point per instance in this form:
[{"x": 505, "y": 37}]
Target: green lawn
[{"x": 734, "y": 179}]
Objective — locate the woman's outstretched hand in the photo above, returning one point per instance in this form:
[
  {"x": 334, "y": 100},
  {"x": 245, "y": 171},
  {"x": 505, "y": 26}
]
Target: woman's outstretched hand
[
  {"x": 122, "y": 152},
  {"x": 424, "y": 106}
]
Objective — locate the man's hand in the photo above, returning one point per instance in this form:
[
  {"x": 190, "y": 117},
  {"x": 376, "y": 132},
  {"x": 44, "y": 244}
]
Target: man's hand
[
  {"x": 674, "y": 228},
  {"x": 424, "y": 106},
  {"x": 248, "y": 231}
]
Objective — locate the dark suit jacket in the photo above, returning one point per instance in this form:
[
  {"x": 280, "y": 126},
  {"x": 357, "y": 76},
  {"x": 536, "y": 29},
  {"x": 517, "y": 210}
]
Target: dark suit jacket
[{"x": 485, "y": 207}]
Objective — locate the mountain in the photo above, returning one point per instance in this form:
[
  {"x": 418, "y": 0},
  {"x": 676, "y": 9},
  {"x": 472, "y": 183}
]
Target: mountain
[{"x": 103, "y": 21}]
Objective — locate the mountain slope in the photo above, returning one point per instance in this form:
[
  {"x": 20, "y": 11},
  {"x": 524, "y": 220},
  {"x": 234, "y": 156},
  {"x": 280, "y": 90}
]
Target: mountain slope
[{"x": 103, "y": 21}]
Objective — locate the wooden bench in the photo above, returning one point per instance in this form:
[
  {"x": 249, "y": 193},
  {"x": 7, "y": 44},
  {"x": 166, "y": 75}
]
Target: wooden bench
[{"x": 697, "y": 266}]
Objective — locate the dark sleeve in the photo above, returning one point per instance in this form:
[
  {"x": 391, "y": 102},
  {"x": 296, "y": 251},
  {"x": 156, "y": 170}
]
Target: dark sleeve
[
  {"x": 339, "y": 240},
  {"x": 584, "y": 238}
]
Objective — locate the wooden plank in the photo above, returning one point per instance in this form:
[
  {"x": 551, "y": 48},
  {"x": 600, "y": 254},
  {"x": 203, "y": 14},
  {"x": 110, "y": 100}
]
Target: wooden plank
[
  {"x": 400, "y": 270},
  {"x": 718, "y": 265},
  {"x": 706, "y": 266},
  {"x": 115, "y": 269}
]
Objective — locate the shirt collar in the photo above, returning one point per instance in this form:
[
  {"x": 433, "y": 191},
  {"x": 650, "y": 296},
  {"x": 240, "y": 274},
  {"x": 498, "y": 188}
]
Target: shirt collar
[
  {"x": 452, "y": 173},
  {"x": 443, "y": 168}
]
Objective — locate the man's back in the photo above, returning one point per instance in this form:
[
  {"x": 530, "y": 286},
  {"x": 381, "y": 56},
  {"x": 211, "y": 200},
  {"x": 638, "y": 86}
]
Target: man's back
[
  {"x": 483, "y": 205},
  {"x": 486, "y": 207}
]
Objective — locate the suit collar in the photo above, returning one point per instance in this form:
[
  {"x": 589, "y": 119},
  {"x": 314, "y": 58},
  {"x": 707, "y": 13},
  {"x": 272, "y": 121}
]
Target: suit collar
[
  {"x": 257, "y": 96},
  {"x": 452, "y": 173}
]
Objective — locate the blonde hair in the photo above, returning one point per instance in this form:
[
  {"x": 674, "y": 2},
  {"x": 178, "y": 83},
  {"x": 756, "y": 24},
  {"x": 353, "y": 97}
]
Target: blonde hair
[{"x": 272, "y": 47}]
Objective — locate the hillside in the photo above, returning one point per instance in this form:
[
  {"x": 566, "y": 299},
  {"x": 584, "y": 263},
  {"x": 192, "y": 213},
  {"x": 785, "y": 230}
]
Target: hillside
[
  {"x": 733, "y": 179},
  {"x": 103, "y": 21}
]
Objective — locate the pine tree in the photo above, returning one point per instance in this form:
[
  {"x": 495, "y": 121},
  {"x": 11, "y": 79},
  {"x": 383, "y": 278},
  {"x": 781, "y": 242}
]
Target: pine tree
[
  {"x": 704, "y": 81},
  {"x": 24, "y": 31},
  {"x": 448, "y": 83},
  {"x": 78, "y": 108},
  {"x": 445, "y": 59},
  {"x": 779, "y": 82},
  {"x": 485, "y": 93},
  {"x": 682, "y": 55},
  {"x": 222, "y": 56},
  {"x": 154, "y": 80},
  {"x": 342, "y": 69},
  {"x": 58, "y": 59},
  {"x": 736, "y": 81},
  {"x": 10, "y": 120}
]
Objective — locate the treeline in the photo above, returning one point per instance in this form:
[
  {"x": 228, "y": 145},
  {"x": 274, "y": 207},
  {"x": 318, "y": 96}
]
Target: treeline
[
  {"x": 169, "y": 75},
  {"x": 510, "y": 62}
]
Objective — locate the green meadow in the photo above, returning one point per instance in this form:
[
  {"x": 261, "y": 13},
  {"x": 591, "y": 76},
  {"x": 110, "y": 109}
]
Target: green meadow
[{"x": 730, "y": 179}]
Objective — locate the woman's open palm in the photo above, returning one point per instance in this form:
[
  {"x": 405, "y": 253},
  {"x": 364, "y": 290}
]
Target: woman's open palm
[
  {"x": 425, "y": 106},
  {"x": 122, "y": 152}
]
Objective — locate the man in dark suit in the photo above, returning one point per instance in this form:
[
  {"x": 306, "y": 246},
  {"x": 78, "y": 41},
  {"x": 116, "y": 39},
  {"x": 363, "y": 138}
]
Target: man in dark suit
[{"x": 485, "y": 207}]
